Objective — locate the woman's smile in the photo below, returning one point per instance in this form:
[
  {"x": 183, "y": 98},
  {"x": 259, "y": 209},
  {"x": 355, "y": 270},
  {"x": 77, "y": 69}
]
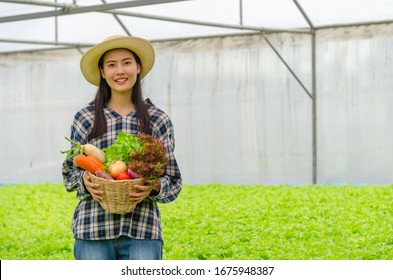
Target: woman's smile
[{"x": 121, "y": 81}]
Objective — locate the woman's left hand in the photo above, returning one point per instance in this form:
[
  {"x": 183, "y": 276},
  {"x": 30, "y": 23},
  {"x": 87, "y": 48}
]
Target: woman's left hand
[{"x": 140, "y": 193}]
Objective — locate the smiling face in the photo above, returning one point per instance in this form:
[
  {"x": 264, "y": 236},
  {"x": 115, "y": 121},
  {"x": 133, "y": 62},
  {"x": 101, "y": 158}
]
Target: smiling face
[{"x": 120, "y": 70}]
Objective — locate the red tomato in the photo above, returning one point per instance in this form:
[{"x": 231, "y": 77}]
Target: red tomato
[{"x": 123, "y": 176}]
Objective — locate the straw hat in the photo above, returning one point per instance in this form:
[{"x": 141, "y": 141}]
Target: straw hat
[{"x": 142, "y": 47}]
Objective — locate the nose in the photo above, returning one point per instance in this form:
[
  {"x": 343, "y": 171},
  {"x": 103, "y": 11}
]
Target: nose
[{"x": 120, "y": 69}]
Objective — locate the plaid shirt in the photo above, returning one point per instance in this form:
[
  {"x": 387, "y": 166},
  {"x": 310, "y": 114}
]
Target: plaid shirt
[{"x": 90, "y": 220}]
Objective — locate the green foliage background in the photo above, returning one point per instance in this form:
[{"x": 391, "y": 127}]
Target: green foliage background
[{"x": 216, "y": 222}]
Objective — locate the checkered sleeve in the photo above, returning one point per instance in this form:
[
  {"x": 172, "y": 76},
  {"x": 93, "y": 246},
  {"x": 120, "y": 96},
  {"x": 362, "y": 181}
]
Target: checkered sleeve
[
  {"x": 72, "y": 175},
  {"x": 171, "y": 181}
]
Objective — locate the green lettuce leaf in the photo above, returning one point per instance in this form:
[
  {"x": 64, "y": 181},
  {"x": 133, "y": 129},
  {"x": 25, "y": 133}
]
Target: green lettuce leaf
[{"x": 124, "y": 145}]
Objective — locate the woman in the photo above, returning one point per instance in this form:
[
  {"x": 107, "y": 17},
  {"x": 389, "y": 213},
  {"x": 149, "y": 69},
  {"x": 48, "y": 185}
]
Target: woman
[{"x": 117, "y": 66}]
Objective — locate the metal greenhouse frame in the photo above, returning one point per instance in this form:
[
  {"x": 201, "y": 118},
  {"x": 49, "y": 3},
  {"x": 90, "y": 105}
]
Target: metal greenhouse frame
[{"x": 63, "y": 9}]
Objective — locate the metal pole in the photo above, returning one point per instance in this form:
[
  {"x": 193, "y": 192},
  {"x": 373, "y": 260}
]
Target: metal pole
[
  {"x": 313, "y": 97},
  {"x": 314, "y": 111},
  {"x": 56, "y": 27},
  {"x": 206, "y": 23},
  {"x": 119, "y": 21},
  {"x": 241, "y": 11},
  {"x": 288, "y": 67},
  {"x": 40, "y": 3},
  {"x": 85, "y": 9}
]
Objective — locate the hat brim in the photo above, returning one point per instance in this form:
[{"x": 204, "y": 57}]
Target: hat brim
[{"x": 141, "y": 47}]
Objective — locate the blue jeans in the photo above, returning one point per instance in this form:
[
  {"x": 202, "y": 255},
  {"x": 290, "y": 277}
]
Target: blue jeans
[{"x": 122, "y": 248}]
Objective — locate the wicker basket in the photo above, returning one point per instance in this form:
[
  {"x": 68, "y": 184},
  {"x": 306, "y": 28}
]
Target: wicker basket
[{"x": 116, "y": 200}]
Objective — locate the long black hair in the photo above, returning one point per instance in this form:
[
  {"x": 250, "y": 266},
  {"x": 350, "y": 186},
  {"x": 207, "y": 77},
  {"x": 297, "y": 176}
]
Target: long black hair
[{"x": 104, "y": 95}]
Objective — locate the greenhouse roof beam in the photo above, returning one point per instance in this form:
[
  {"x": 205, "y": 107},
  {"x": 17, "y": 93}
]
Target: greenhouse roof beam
[
  {"x": 41, "y": 3},
  {"x": 288, "y": 67},
  {"x": 119, "y": 21},
  {"x": 113, "y": 9},
  {"x": 84, "y": 9},
  {"x": 306, "y": 17},
  {"x": 355, "y": 24},
  {"x": 53, "y": 43},
  {"x": 207, "y": 23}
]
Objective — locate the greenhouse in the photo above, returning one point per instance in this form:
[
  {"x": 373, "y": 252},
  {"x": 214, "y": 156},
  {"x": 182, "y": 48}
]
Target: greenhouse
[{"x": 296, "y": 92}]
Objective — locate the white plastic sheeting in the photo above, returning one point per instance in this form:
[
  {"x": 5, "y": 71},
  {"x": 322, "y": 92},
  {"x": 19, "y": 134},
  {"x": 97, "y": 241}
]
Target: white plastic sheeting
[
  {"x": 240, "y": 118},
  {"x": 239, "y": 115},
  {"x": 355, "y": 103},
  {"x": 40, "y": 93}
]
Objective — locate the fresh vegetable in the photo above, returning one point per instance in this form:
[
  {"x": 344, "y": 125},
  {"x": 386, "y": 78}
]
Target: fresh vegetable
[
  {"x": 123, "y": 176},
  {"x": 117, "y": 167},
  {"x": 139, "y": 156},
  {"x": 124, "y": 145},
  {"x": 92, "y": 150},
  {"x": 133, "y": 174},
  {"x": 98, "y": 162},
  {"x": 150, "y": 160},
  {"x": 88, "y": 149},
  {"x": 103, "y": 174},
  {"x": 87, "y": 163}
]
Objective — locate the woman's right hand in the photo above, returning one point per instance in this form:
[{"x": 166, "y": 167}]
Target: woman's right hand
[{"x": 91, "y": 187}]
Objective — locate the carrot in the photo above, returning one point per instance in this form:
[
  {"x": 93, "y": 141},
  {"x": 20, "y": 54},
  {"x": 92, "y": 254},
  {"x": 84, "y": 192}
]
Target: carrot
[
  {"x": 86, "y": 163},
  {"x": 96, "y": 161}
]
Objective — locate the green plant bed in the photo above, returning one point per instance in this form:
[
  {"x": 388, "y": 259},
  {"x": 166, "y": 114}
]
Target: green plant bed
[{"x": 216, "y": 222}]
